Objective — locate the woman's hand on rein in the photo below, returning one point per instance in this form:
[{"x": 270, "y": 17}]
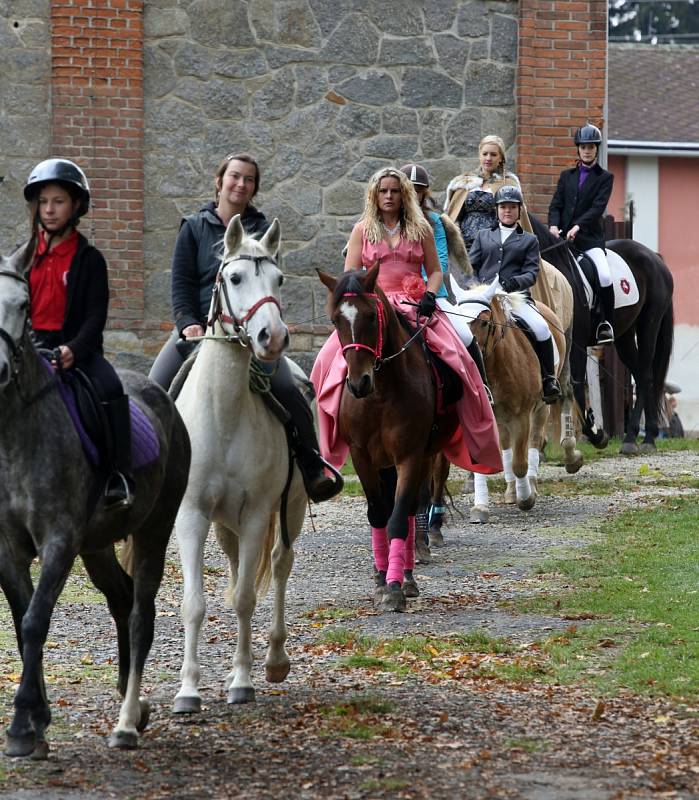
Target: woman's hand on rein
[
  {"x": 193, "y": 330},
  {"x": 427, "y": 305},
  {"x": 67, "y": 357},
  {"x": 572, "y": 233}
]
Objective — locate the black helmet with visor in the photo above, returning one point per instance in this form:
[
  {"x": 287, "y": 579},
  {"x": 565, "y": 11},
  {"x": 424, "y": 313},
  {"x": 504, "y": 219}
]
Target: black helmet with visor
[
  {"x": 64, "y": 172},
  {"x": 588, "y": 134}
]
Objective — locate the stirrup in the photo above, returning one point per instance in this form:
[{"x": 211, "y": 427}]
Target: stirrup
[
  {"x": 554, "y": 394},
  {"x": 489, "y": 395},
  {"x": 321, "y": 487},
  {"x": 117, "y": 492},
  {"x": 605, "y": 333}
]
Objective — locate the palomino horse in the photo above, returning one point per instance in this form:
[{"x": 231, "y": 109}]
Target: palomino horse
[
  {"x": 241, "y": 464},
  {"x": 515, "y": 380},
  {"x": 387, "y": 416},
  {"x": 643, "y": 334},
  {"x": 51, "y": 507}
]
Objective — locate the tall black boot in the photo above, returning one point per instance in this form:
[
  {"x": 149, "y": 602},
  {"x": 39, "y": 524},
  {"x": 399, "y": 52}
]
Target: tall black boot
[
  {"x": 474, "y": 351},
  {"x": 319, "y": 486},
  {"x": 605, "y": 331},
  {"x": 551, "y": 387},
  {"x": 120, "y": 483}
]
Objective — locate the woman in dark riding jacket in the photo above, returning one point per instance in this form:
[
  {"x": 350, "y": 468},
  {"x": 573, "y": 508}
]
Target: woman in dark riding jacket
[
  {"x": 195, "y": 263},
  {"x": 69, "y": 296},
  {"x": 576, "y": 211}
]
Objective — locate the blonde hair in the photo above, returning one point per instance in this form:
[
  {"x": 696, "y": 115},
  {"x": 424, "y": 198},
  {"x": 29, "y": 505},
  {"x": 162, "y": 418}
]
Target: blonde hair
[
  {"x": 491, "y": 138},
  {"x": 414, "y": 226}
]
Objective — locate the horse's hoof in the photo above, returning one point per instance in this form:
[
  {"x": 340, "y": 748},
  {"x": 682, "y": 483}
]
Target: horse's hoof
[
  {"x": 145, "y": 715},
  {"x": 241, "y": 694},
  {"x": 436, "y": 538},
  {"x": 629, "y": 449},
  {"x": 648, "y": 447},
  {"x": 41, "y": 751},
  {"x": 528, "y": 504},
  {"x": 410, "y": 588},
  {"x": 478, "y": 515},
  {"x": 19, "y": 746},
  {"x": 277, "y": 673},
  {"x": 187, "y": 705},
  {"x": 511, "y": 493},
  {"x": 393, "y": 598},
  {"x": 600, "y": 441},
  {"x": 422, "y": 553},
  {"x": 574, "y": 466},
  {"x": 123, "y": 740}
]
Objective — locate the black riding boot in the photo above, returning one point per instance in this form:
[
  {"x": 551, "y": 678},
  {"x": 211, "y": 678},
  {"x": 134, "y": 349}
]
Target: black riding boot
[
  {"x": 120, "y": 484},
  {"x": 605, "y": 331},
  {"x": 551, "y": 387},
  {"x": 474, "y": 351},
  {"x": 319, "y": 486}
]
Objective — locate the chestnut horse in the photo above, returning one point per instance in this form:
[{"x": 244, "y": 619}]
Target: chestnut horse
[{"x": 388, "y": 417}]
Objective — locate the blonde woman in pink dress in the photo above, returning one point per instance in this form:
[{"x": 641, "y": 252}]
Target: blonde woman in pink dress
[{"x": 394, "y": 232}]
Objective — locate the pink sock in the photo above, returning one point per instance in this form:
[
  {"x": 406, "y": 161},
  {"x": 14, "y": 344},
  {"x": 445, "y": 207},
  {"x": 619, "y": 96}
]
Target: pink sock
[
  {"x": 396, "y": 561},
  {"x": 410, "y": 545},
  {"x": 379, "y": 544}
]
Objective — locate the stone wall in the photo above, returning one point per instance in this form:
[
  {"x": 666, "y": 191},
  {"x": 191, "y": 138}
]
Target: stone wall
[
  {"x": 323, "y": 92},
  {"x": 25, "y": 71}
]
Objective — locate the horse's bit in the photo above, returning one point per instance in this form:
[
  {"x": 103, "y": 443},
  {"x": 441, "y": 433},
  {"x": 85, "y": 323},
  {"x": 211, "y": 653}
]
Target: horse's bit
[{"x": 217, "y": 313}]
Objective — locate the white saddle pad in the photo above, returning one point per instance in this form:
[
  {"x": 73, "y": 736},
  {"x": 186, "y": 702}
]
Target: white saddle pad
[{"x": 625, "y": 286}]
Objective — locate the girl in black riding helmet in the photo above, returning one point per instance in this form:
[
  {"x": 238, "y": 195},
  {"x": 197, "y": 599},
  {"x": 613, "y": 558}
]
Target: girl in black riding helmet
[
  {"x": 69, "y": 296},
  {"x": 576, "y": 211}
]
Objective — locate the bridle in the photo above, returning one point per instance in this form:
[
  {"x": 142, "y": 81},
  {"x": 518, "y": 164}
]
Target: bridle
[
  {"x": 491, "y": 325},
  {"x": 220, "y": 295}
]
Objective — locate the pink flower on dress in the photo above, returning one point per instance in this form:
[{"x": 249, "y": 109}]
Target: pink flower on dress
[{"x": 414, "y": 286}]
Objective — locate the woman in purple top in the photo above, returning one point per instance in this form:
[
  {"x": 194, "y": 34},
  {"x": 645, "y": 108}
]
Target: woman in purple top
[{"x": 576, "y": 211}]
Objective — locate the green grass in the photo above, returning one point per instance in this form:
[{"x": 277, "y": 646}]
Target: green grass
[
  {"x": 554, "y": 452},
  {"x": 640, "y": 584},
  {"x": 357, "y": 718}
]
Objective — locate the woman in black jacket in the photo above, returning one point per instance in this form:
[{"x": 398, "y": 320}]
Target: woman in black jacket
[
  {"x": 576, "y": 211},
  {"x": 195, "y": 262},
  {"x": 69, "y": 296}
]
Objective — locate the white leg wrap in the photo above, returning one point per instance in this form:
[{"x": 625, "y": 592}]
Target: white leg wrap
[
  {"x": 480, "y": 490},
  {"x": 507, "y": 465},
  {"x": 533, "y": 459},
  {"x": 524, "y": 488}
]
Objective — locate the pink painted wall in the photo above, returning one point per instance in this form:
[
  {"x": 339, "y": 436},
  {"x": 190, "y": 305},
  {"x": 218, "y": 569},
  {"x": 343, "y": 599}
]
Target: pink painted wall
[
  {"x": 617, "y": 202},
  {"x": 679, "y": 232}
]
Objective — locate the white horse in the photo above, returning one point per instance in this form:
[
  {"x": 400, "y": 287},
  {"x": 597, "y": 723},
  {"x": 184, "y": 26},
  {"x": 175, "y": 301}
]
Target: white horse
[{"x": 240, "y": 463}]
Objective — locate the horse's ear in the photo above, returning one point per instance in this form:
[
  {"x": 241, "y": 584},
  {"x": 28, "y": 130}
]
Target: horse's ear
[
  {"x": 327, "y": 280},
  {"x": 270, "y": 241},
  {"x": 371, "y": 276},
  {"x": 20, "y": 260},
  {"x": 234, "y": 235}
]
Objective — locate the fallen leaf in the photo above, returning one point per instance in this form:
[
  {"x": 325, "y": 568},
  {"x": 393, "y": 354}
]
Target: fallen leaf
[{"x": 599, "y": 711}]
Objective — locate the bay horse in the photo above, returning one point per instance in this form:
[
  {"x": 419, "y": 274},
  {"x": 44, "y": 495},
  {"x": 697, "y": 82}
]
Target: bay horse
[
  {"x": 387, "y": 416},
  {"x": 241, "y": 465},
  {"x": 643, "y": 333},
  {"x": 515, "y": 381},
  {"x": 51, "y": 507}
]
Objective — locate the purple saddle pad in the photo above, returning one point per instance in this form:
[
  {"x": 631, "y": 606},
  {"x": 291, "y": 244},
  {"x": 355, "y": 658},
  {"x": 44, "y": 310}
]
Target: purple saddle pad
[{"x": 145, "y": 445}]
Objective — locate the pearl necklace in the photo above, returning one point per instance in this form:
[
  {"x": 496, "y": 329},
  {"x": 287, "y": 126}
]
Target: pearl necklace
[{"x": 392, "y": 231}]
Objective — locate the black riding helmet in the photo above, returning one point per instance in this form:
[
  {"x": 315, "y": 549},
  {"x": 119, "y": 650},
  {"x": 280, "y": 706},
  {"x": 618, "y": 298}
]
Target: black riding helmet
[
  {"x": 508, "y": 194},
  {"x": 588, "y": 134},
  {"x": 64, "y": 172}
]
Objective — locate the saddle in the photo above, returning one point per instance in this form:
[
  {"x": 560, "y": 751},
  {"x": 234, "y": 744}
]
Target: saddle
[
  {"x": 447, "y": 383},
  {"x": 587, "y": 274}
]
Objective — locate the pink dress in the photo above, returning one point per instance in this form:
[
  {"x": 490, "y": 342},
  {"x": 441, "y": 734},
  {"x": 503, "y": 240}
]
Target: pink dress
[{"x": 476, "y": 445}]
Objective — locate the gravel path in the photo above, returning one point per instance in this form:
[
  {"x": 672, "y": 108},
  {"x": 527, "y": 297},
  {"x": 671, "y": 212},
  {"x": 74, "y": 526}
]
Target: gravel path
[{"x": 424, "y": 738}]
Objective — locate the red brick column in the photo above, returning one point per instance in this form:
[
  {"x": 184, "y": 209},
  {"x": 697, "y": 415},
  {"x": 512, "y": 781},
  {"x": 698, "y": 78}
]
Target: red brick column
[
  {"x": 97, "y": 120},
  {"x": 561, "y": 84}
]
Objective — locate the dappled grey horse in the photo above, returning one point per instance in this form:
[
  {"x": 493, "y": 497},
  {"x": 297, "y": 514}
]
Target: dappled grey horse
[{"x": 51, "y": 507}]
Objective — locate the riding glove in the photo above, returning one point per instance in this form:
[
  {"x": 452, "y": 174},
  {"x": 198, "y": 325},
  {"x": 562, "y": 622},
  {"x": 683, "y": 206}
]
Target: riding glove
[
  {"x": 427, "y": 305},
  {"x": 509, "y": 284}
]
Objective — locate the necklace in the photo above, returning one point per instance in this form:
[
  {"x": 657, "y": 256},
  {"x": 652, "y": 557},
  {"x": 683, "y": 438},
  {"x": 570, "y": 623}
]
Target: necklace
[{"x": 392, "y": 231}]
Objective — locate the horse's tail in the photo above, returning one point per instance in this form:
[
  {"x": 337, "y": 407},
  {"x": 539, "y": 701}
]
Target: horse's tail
[
  {"x": 263, "y": 576},
  {"x": 661, "y": 358}
]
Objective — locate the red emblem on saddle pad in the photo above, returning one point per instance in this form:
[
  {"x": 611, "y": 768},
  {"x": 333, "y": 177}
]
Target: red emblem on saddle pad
[{"x": 625, "y": 286}]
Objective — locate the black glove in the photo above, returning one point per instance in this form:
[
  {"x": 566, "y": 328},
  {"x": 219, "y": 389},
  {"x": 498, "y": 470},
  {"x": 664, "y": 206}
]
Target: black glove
[
  {"x": 509, "y": 284},
  {"x": 427, "y": 305}
]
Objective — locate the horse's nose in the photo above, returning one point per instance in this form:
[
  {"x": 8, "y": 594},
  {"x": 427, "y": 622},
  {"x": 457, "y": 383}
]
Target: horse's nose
[
  {"x": 361, "y": 388},
  {"x": 263, "y": 337}
]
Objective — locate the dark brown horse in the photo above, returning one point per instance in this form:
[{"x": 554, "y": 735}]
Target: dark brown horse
[{"x": 387, "y": 416}]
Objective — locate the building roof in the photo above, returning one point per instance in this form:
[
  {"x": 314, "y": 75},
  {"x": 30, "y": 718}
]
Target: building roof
[{"x": 653, "y": 93}]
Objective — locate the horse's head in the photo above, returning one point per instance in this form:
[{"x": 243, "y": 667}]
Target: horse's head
[
  {"x": 247, "y": 297},
  {"x": 483, "y": 308},
  {"x": 358, "y": 314},
  {"x": 14, "y": 312}
]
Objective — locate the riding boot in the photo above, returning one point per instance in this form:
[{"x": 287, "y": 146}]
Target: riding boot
[
  {"x": 474, "y": 351},
  {"x": 605, "y": 331},
  {"x": 319, "y": 486},
  {"x": 118, "y": 492},
  {"x": 551, "y": 387}
]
